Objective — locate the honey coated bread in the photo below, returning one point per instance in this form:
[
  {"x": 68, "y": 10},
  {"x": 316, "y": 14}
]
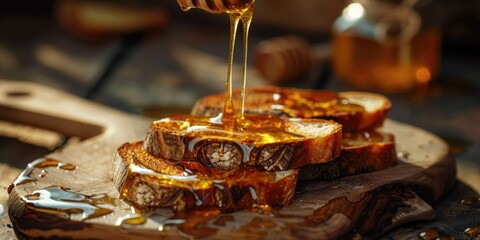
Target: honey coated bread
[
  {"x": 355, "y": 111},
  {"x": 362, "y": 150},
  {"x": 361, "y": 153},
  {"x": 183, "y": 186},
  {"x": 270, "y": 143}
]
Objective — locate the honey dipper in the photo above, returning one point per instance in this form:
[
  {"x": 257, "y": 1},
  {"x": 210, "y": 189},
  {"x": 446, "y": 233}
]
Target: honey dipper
[
  {"x": 283, "y": 59},
  {"x": 216, "y": 6}
]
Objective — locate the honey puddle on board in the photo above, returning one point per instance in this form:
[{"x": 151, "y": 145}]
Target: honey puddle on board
[
  {"x": 58, "y": 200},
  {"x": 26, "y": 177},
  {"x": 61, "y": 201}
]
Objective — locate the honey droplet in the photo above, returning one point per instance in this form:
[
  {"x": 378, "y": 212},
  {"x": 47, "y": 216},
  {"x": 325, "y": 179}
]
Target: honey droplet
[
  {"x": 135, "y": 218},
  {"x": 473, "y": 231},
  {"x": 403, "y": 154},
  {"x": 428, "y": 234},
  {"x": 68, "y": 167},
  {"x": 469, "y": 201}
]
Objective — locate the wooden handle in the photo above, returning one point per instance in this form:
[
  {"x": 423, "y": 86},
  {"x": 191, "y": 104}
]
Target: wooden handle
[{"x": 284, "y": 59}]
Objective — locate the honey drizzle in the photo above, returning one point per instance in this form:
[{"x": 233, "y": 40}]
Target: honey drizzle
[
  {"x": 229, "y": 110},
  {"x": 255, "y": 129},
  {"x": 308, "y": 104},
  {"x": 25, "y": 175},
  {"x": 246, "y": 22},
  {"x": 237, "y": 11},
  {"x": 245, "y": 15},
  {"x": 230, "y": 125}
]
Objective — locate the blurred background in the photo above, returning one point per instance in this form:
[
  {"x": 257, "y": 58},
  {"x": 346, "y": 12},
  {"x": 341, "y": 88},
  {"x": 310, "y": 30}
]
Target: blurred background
[
  {"x": 141, "y": 55},
  {"x": 150, "y": 58}
]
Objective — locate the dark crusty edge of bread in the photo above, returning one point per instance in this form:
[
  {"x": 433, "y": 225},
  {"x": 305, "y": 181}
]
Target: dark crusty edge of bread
[
  {"x": 148, "y": 191},
  {"x": 171, "y": 145},
  {"x": 351, "y": 121},
  {"x": 369, "y": 157}
]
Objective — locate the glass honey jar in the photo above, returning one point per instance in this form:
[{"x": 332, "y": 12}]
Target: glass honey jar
[{"x": 383, "y": 45}]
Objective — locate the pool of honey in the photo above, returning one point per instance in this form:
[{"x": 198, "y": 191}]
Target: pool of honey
[
  {"x": 304, "y": 103},
  {"x": 295, "y": 103},
  {"x": 252, "y": 129}
]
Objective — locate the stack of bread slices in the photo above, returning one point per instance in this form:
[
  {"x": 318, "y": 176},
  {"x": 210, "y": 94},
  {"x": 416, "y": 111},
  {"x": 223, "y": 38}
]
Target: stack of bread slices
[{"x": 337, "y": 136}]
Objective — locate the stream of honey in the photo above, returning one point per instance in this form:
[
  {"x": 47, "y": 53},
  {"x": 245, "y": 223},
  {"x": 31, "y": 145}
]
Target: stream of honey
[
  {"x": 232, "y": 124},
  {"x": 238, "y": 10}
]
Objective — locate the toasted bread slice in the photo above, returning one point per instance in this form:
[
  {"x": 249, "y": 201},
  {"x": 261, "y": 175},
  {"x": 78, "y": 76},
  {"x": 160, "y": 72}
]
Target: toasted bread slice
[
  {"x": 184, "y": 185},
  {"x": 361, "y": 153},
  {"x": 270, "y": 143},
  {"x": 356, "y": 111}
]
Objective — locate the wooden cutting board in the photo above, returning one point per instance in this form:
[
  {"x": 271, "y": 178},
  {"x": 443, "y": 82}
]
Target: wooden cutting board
[{"x": 365, "y": 205}]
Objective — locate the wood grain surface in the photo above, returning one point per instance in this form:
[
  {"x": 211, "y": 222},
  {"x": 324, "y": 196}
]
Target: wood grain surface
[{"x": 365, "y": 205}]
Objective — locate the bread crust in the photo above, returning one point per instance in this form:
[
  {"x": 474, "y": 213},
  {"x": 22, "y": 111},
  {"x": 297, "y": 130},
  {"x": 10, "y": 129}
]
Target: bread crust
[
  {"x": 186, "y": 186},
  {"x": 364, "y": 155},
  {"x": 355, "y": 159}
]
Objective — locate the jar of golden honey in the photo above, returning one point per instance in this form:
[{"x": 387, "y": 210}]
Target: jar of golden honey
[{"x": 385, "y": 46}]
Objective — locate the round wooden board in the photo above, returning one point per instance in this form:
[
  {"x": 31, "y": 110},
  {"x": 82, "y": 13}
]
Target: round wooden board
[{"x": 366, "y": 204}]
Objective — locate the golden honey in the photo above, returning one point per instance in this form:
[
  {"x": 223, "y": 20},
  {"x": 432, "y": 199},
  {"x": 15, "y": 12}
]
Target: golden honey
[
  {"x": 58, "y": 200},
  {"x": 238, "y": 10},
  {"x": 307, "y": 104},
  {"x": 26, "y": 177},
  {"x": 214, "y": 6},
  {"x": 254, "y": 129},
  {"x": 428, "y": 234},
  {"x": 368, "y": 64},
  {"x": 385, "y": 45},
  {"x": 472, "y": 231}
]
